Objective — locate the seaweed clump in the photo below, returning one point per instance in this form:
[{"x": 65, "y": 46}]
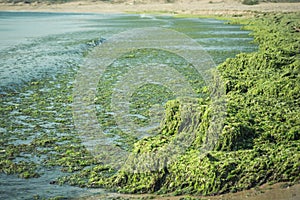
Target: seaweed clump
[{"x": 259, "y": 142}]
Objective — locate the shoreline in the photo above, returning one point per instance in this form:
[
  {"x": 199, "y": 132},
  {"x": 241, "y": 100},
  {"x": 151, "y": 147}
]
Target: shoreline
[
  {"x": 249, "y": 194},
  {"x": 194, "y": 7},
  {"x": 278, "y": 191}
]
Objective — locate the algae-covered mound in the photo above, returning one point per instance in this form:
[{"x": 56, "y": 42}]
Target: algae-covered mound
[{"x": 260, "y": 140}]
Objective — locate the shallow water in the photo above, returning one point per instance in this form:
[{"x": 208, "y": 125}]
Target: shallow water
[
  {"x": 36, "y": 45},
  {"x": 12, "y": 187},
  {"x": 39, "y": 56}
]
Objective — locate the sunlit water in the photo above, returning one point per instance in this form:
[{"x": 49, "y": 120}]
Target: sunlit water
[{"x": 37, "y": 46}]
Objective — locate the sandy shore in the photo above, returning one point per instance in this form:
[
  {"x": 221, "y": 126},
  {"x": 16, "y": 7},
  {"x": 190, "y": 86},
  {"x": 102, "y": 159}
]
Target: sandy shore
[
  {"x": 203, "y": 7},
  {"x": 278, "y": 191}
]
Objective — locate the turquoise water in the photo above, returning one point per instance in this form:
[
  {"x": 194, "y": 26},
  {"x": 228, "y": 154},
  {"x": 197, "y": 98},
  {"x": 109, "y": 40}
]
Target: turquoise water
[{"x": 49, "y": 48}]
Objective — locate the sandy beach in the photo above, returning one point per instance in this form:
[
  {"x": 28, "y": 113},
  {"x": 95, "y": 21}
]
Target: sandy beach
[{"x": 201, "y": 7}]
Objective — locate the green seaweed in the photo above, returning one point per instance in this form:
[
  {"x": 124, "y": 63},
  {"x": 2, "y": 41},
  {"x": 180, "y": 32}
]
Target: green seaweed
[
  {"x": 260, "y": 139},
  {"x": 259, "y": 142}
]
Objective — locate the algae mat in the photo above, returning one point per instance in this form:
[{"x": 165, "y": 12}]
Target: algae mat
[{"x": 259, "y": 142}]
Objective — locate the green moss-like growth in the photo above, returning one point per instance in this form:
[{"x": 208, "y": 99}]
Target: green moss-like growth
[
  {"x": 147, "y": 167},
  {"x": 259, "y": 142}
]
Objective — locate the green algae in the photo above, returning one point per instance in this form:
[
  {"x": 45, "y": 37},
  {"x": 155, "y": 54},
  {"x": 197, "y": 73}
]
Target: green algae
[
  {"x": 259, "y": 142},
  {"x": 146, "y": 96},
  {"x": 36, "y": 145},
  {"x": 260, "y": 139}
]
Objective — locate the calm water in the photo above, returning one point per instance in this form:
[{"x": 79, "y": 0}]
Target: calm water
[{"x": 37, "y": 46}]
